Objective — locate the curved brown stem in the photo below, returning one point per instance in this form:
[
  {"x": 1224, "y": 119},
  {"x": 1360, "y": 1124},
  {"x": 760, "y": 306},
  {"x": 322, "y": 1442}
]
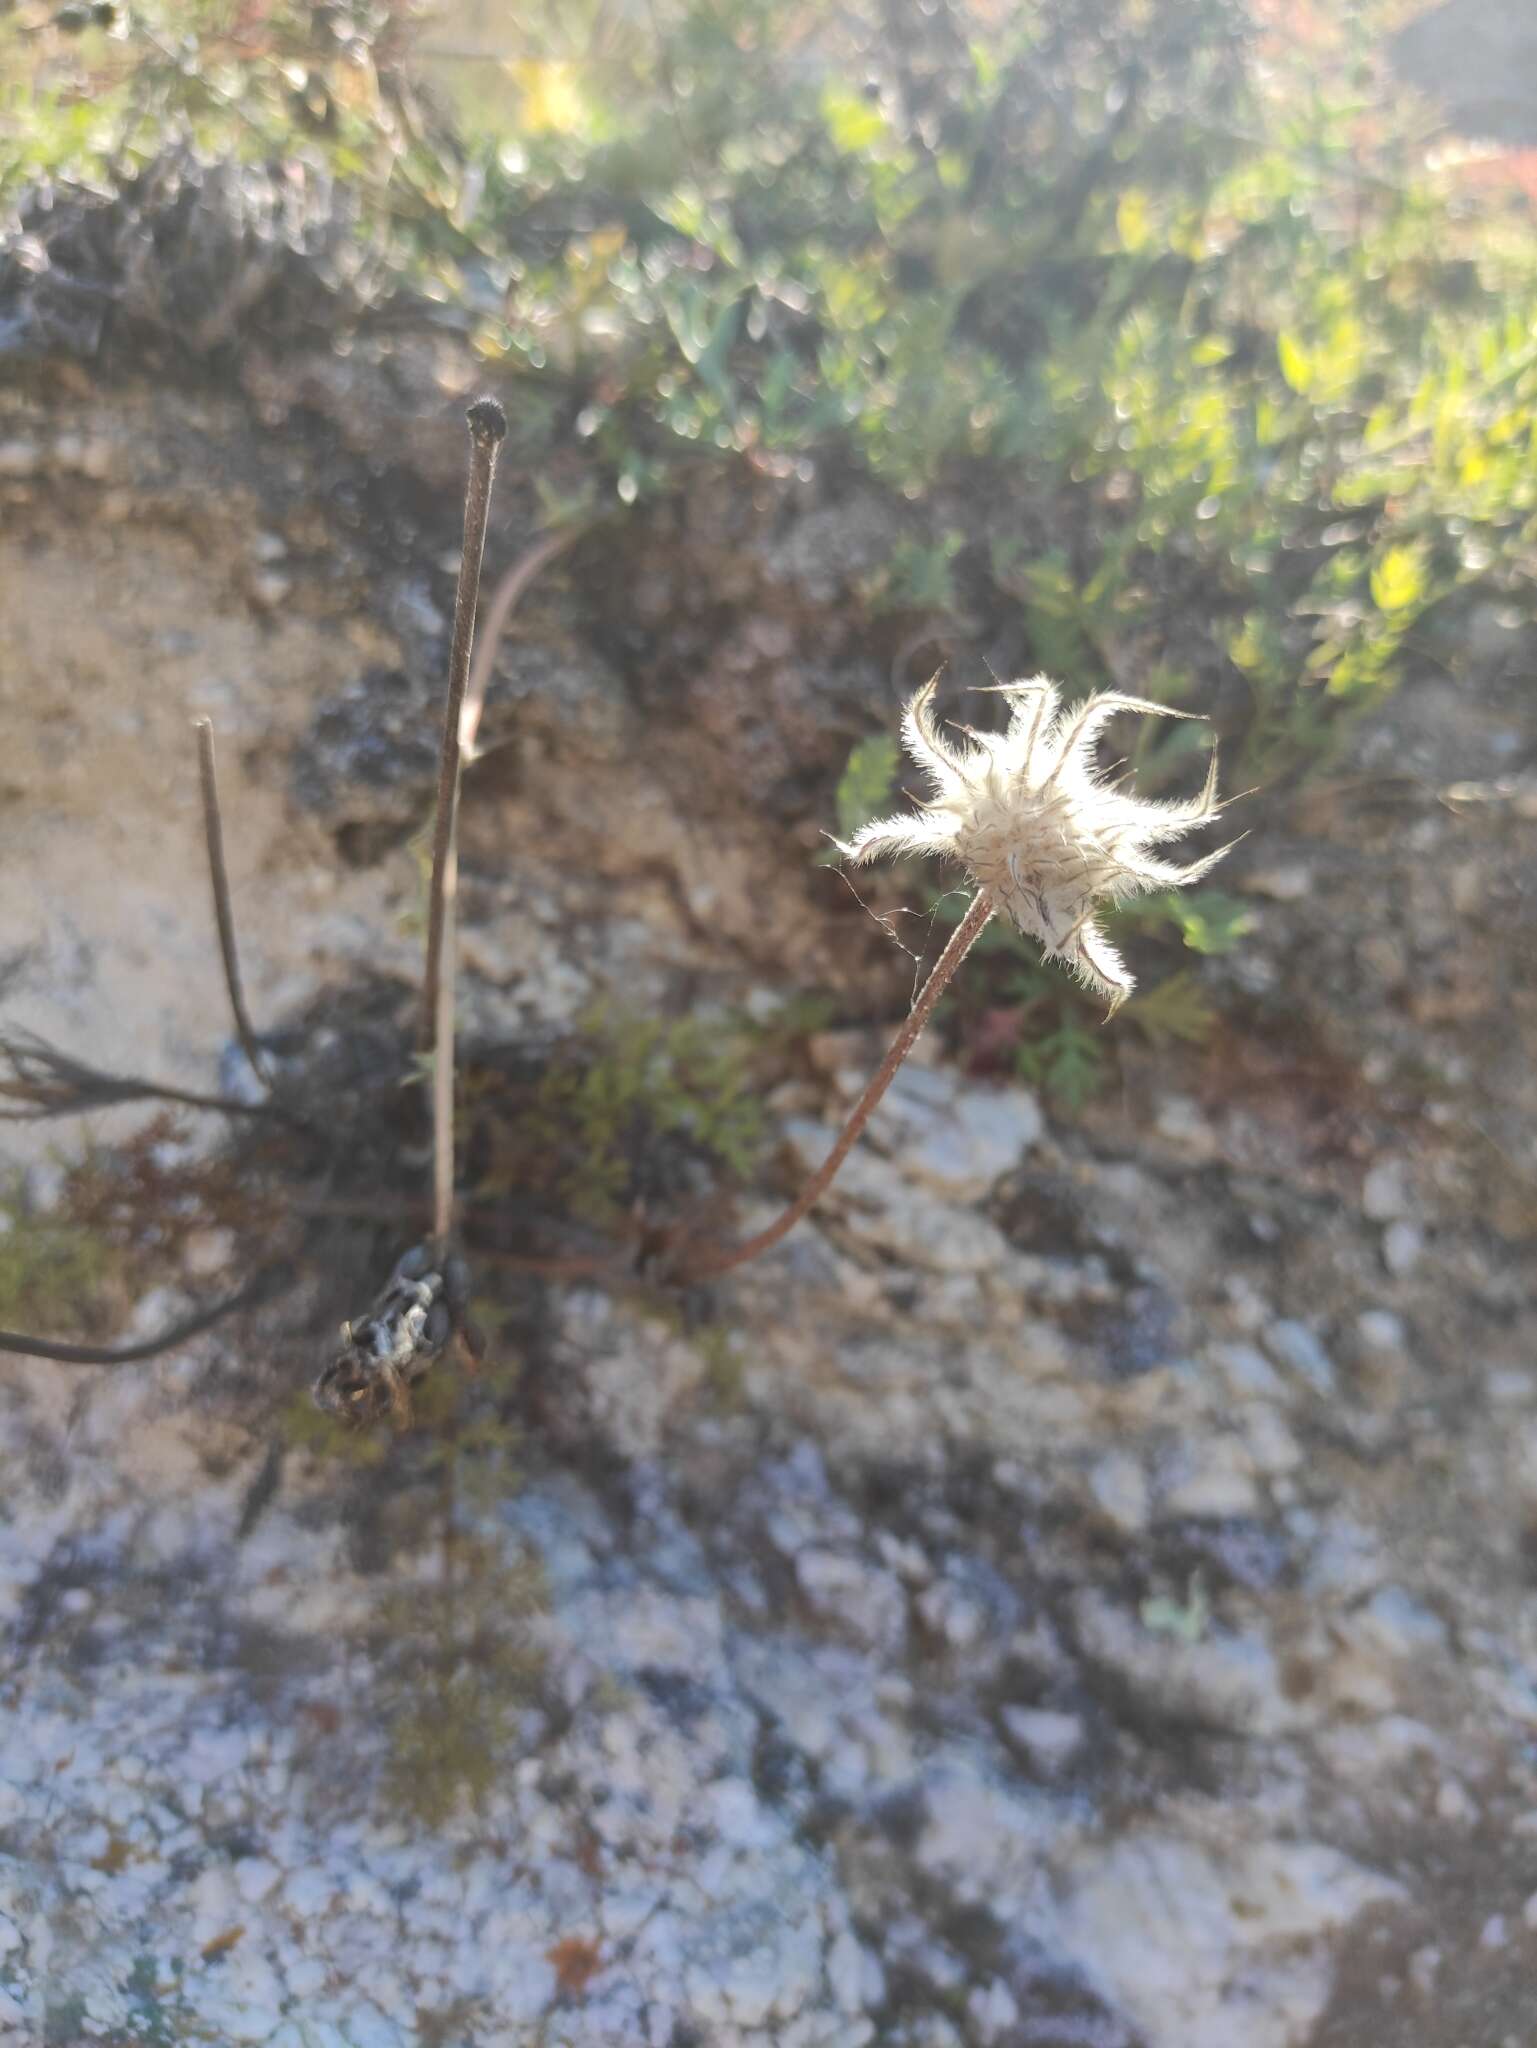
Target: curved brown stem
[
  {"x": 712, "y": 1259},
  {"x": 59, "y": 1352},
  {"x": 504, "y": 602},
  {"x": 224, "y": 916}
]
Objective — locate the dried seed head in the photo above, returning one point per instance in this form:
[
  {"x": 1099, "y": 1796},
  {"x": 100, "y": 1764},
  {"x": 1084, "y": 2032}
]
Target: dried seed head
[{"x": 1029, "y": 815}]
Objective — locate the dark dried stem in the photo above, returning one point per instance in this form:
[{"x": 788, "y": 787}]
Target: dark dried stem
[
  {"x": 254, "y": 1291},
  {"x": 488, "y": 428},
  {"x": 47, "y": 1083},
  {"x": 443, "y": 1059},
  {"x": 706, "y": 1262},
  {"x": 218, "y": 875}
]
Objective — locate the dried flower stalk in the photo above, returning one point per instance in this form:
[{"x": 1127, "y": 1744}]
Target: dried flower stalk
[
  {"x": 704, "y": 1264},
  {"x": 488, "y": 429}
]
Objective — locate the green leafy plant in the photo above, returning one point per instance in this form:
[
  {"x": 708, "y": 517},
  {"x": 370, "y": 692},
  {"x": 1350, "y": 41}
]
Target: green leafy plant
[
  {"x": 1249, "y": 407},
  {"x": 919, "y": 575},
  {"x": 55, "y": 1273},
  {"x": 620, "y": 1085},
  {"x": 1174, "y": 1011},
  {"x": 1066, "y": 1061},
  {"x": 1208, "y": 921},
  {"x": 864, "y": 787},
  {"x": 458, "y": 1668}
]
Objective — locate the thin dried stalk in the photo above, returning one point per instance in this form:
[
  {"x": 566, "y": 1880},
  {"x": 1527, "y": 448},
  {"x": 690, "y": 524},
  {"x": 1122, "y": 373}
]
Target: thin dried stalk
[
  {"x": 255, "y": 1290},
  {"x": 707, "y": 1261},
  {"x": 44, "y": 1082},
  {"x": 443, "y": 1058},
  {"x": 488, "y": 429},
  {"x": 218, "y": 875}
]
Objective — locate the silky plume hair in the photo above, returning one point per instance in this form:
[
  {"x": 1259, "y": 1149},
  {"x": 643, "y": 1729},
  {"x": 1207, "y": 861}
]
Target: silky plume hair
[{"x": 1037, "y": 825}]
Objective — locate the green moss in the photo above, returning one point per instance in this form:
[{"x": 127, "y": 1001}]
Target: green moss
[
  {"x": 314, "y": 1433},
  {"x": 56, "y": 1275},
  {"x": 622, "y": 1088},
  {"x": 725, "y": 1366},
  {"x": 459, "y": 1667}
]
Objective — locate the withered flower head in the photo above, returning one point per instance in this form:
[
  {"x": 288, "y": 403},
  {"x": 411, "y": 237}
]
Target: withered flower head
[{"x": 1031, "y": 817}]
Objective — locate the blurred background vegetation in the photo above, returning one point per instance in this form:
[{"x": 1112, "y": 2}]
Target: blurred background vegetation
[{"x": 1172, "y": 335}]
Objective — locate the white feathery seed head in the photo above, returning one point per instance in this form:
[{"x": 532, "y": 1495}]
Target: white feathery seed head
[{"x": 1030, "y": 816}]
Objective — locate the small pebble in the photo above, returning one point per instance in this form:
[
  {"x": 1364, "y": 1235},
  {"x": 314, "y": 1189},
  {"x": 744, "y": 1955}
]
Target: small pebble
[
  {"x": 1424, "y": 1967},
  {"x": 1402, "y": 1244},
  {"x": 1454, "y": 1803},
  {"x": 1119, "y": 1486},
  {"x": 269, "y": 587},
  {"x": 1510, "y": 1387},
  {"x": 1288, "y": 883},
  {"x": 1293, "y": 1345},
  {"x": 1380, "y": 1332},
  {"x": 1181, "y": 1122},
  {"x": 85, "y": 454},
  {"x": 20, "y": 458},
  {"x": 1049, "y": 1740},
  {"x": 1385, "y": 1192}
]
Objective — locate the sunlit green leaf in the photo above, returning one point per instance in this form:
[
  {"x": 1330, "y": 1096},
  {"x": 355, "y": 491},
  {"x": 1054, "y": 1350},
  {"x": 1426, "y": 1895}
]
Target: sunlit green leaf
[
  {"x": 1296, "y": 363},
  {"x": 1210, "y": 921},
  {"x": 1398, "y": 579},
  {"x": 551, "y": 96},
  {"x": 864, "y": 788},
  {"x": 1211, "y": 349},
  {"x": 854, "y": 124},
  {"x": 1133, "y": 221}
]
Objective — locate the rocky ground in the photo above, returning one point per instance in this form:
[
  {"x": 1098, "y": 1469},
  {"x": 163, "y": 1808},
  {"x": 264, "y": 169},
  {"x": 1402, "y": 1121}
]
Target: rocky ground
[{"x": 1081, "y": 1592}]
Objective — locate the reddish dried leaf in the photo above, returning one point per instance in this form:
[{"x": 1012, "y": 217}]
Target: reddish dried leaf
[
  {"x": 576, "y": 1961},
  {"x": 221, "y": 1944}
]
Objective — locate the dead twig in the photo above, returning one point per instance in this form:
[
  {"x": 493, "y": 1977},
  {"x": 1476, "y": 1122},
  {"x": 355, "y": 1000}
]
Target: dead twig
[
  {"x": 218, "y": 875},
  {"x": 44, "y": 1082},
  {"x": 256, "y": 1290},
  {"x": 488, "y": 429}
]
